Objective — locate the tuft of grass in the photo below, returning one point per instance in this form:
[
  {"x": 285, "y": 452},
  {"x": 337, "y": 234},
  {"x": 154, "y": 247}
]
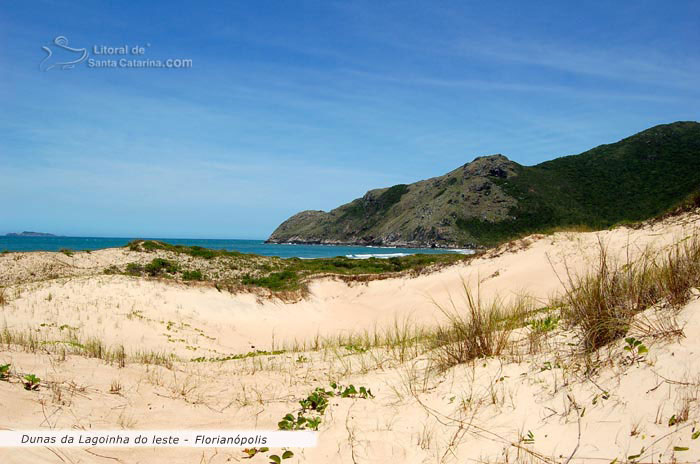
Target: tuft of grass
[
  {"x": 3, "y": 296},
  {"x": 679, "y": 271},
  {"x": 155, "y": 358},
  {"x": 95, "y": 348},
  {"x": 115, "y": 388},
  {"x": 477, "y": 330},
  {"x": 120, "y": 356},
  {"x": 603, "y": 303}
]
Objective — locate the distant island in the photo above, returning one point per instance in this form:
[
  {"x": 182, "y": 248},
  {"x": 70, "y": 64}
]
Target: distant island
[
  {"x": 493, "y": 199},
  {"x": 29, "y": 234}
]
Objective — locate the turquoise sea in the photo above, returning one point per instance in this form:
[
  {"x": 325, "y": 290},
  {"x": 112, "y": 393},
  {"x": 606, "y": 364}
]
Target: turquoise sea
[{"x": 245, "y": 246}]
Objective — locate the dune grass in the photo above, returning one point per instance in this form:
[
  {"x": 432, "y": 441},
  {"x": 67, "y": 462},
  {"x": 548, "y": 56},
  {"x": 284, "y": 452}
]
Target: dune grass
[
  {"x": 477, "y": 329},
  {"x": 403, "y": 340},
  {"x": 600, "y": 305},
  {"x": 91, "y": 347},
  {"x": 603, "y": 303}
]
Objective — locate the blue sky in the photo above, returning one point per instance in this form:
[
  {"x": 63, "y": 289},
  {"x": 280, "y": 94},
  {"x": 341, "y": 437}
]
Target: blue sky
[{"x": 307, "y": 105}]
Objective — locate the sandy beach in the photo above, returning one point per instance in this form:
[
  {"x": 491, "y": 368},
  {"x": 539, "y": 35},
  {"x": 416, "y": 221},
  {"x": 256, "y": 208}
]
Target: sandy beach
[{"x": 179, "y": 369}]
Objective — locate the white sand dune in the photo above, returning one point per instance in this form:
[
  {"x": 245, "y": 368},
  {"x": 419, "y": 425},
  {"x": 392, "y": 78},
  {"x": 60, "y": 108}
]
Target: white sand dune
[{"x": 470, "y": 413}]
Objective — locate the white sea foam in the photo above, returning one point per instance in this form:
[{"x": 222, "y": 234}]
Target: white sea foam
[
  {"x": 377, "y": 255},
  {"x": 399, "y": 255},
  {"x": 464, "y": 252}
]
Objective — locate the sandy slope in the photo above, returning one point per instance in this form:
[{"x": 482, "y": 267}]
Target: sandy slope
[{"x": 417, "y": 415}]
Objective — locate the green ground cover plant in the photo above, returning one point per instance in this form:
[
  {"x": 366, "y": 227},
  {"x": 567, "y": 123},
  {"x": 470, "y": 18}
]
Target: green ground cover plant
[{"x": 277, "y": 274}]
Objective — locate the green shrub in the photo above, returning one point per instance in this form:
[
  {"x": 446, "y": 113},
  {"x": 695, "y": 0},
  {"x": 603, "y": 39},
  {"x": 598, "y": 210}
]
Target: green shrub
[
  {"x": 192, "y": 275},
  {"x": 111, "y": 270},
  {"x": 134, "y": 269},
  {"x": 201, "y": 252},
  {"x": 195, "y": 251},
  {"x": 284, "y": 280},
  {"x": 159, "y": 266},
  {"x": 5, "y": 371},
  {"x": 134, "y": 245}
]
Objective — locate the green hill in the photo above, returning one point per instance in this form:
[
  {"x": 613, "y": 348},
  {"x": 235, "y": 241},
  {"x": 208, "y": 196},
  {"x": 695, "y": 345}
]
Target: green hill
[{"x": 493, "y": 199}]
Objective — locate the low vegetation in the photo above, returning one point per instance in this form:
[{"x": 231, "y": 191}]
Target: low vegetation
[
  {"x": 31, "y": 382},
  {"x": 157, "y": 267},
  {"x": 66, "y": 251},
  {"x": 194, "y": 251},
  {"x": 92, "y": 347},
  {"x": 232, "y": 270},
  {"x": 250, "y": 354},
  {"x": 314, "y": 406},
  {"x": 160, "y": 266},
  {"x": 5, "y": 371},
  {"x": 192, "y": 275}
]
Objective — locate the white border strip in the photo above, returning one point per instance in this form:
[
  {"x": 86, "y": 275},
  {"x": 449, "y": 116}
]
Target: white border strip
[{"x": 157, "y": 438}]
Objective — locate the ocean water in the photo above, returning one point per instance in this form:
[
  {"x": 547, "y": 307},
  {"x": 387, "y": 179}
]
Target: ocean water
[{"x": 257, "y": 247}]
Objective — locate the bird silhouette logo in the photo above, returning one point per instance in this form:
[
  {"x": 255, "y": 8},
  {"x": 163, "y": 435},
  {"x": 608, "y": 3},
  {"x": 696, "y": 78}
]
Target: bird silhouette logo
[{"x": 61, "y": 56}]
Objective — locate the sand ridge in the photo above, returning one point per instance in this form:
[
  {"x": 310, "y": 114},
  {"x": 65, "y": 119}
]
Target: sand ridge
[{"x": 483, "y": 412}]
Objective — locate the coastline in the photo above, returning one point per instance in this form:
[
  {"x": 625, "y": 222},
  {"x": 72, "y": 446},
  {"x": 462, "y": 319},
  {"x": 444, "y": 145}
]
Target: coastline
[
  {"x": 370, "y": 244},
  {"x": 256, "y": 247}
]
